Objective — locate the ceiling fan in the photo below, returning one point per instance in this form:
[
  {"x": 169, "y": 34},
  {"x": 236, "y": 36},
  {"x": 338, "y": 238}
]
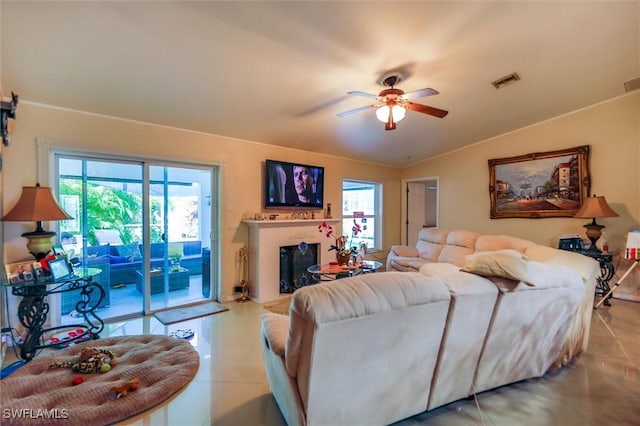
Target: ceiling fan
[{"x": 392, "y": 103}]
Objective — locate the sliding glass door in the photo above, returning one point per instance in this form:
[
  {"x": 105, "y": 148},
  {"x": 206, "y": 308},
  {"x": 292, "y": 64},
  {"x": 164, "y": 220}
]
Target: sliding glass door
[
  {"x": 180, "y": 226},
  {"x": 143, "y": 229}
]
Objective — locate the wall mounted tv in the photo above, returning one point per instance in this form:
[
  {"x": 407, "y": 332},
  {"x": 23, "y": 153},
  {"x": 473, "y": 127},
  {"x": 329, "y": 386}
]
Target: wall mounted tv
[{"x": 293, "y": 185}]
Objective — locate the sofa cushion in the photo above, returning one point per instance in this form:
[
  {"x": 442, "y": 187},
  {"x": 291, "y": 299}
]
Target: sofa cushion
[
  {"x": 175, "y": 249},
  {"x": 355, "y": 297},
  {"x": 530, "y": 327},
  {"x": 404, "y": 251},
  {"x": 460, "y": 243},
  {"x": 156, "y": 250},
  {"x": 378, "y": 332},
  {"x": 585, "y": 266},
  {"x": 433, "y": 235},
  {"x": 549, "y": 275},
  {"x": 108, "y": 236},
  {"x": 416, "y": 264},
  {"x": 406, "y": 262},
  {"x": 430, "y": 243},
  {"x": 118, "y": 259},
  {"x": 98, "y": 251},
  {"x": 192, "y": 248},
  {"x": 500, "y": 242},
  {"x": 473, "y": 297},
  {"x": 438, "y": 269},
  {"x": 275, "y": 328},
  {"x": 130, "y": 251},
  {"x": 507, "y": 263}
]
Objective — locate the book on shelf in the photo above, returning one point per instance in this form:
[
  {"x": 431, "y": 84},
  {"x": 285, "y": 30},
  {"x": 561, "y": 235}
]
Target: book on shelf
[
  {"x": 632, "y": 250},
  {"x": 571, "y": 242}
]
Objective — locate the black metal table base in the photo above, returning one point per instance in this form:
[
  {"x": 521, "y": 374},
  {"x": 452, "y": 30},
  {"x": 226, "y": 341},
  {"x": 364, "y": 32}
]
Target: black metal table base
[
  {"x": 607, "y": 271},
  {"x": 34, "y": 309}
]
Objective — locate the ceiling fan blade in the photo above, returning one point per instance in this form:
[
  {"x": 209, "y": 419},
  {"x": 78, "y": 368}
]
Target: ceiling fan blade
[
  {"x": 353, "y": 111},
  {"x": 366, "y": 95},
  {"x": 420, "y": 93},
  {"x": 436, "y": 112}
]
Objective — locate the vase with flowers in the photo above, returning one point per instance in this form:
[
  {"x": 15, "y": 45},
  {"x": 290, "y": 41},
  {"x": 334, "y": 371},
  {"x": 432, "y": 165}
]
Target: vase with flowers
[{"x": 343, "y": 245}]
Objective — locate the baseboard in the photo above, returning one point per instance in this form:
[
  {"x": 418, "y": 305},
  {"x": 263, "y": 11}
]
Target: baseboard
[{"x": 625, "y": 296}]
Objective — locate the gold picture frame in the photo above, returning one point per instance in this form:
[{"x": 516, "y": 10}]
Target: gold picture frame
[
  {"x": 539, "y": 185},
  {"x": 19, "y": 272}
]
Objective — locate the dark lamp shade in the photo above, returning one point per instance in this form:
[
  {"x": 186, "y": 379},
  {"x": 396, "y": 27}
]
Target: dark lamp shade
[
  {"x": 36, "y": 204},
  {"x": 595, "y": 207}
]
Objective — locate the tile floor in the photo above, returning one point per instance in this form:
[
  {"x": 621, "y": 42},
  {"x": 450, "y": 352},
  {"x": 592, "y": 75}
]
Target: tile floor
[
  {"x": 230, "y": 388},
  {"x": 126, "y": 300}
]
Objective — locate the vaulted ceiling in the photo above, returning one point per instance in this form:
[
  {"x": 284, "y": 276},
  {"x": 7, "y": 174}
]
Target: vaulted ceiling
[{"x": 279, "y": 72}]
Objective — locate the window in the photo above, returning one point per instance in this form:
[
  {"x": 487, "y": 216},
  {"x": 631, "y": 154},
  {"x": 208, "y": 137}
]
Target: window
[{"x": 361, "y": 202}]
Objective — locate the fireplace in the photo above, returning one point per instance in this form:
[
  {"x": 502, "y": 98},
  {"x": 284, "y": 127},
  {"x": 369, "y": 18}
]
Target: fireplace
[
  {"x": 294, "y": 261},
  {"x": 265, "y": 239}
]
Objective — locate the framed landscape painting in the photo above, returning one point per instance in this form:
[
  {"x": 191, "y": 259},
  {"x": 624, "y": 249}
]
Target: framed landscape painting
[{"x": 544, "y": 184}]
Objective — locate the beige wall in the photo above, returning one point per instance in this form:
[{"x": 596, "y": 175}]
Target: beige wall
[
  {"x": 241, "y": 166},
  {"x": 611, "y": 129}
]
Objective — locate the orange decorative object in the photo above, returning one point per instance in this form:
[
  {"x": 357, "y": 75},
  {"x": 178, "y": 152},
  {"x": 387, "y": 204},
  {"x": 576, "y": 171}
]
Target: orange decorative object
[{"x": 124, "y": 388}]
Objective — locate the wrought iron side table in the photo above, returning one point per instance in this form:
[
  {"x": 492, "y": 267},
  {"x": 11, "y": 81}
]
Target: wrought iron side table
[
  {"x": 34, "y": 308},
  {"x": 607, "y": 271}
]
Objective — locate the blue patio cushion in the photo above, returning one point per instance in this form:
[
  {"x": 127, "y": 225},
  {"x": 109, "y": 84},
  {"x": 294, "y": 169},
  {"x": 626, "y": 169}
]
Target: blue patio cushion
[
  {"x": 98, "y": 251},
  {"x": 156, "y": 250},
  {"x": 118, "y": 259},
  {"x": 130, "y": 251},
  {"x": 192, "y": 248}
]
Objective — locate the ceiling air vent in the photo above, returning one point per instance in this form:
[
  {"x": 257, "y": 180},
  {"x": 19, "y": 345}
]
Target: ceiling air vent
[
  {"x": 632, "y": 85},
  {"x": 507, "y": 79}
]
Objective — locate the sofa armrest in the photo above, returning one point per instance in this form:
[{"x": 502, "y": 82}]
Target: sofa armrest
[
  {"x": 275, "y": 328},
  {"x": 404, "y": 251}
]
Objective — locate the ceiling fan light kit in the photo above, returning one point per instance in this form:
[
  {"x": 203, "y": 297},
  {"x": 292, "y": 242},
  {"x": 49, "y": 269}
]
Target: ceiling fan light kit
[
  {"x": 397, "y": 113},
  {"x": 392, "y": 103}
]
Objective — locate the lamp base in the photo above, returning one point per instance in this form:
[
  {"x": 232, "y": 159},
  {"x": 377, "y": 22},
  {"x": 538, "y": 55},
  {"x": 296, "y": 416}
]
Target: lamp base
[
  {"x": 594, "y": 232},
  {"x": 39, "y": 243}
]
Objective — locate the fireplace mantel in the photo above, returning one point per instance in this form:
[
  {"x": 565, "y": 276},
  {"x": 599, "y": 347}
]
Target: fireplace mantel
[
  {"x": 265, "y": 239},
  {"x": 289, "y": 222}
]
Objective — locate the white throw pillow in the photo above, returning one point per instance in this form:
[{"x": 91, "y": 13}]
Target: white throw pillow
[{"x": 505, "y": 263}]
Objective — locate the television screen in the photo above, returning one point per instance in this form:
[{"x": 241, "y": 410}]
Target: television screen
[{"x": 293, "y": 185}]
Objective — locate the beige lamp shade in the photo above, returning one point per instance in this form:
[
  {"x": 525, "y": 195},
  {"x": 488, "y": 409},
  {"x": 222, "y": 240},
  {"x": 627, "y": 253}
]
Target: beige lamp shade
[
  {"x": 36, "y": 204},
  {"x": 594, "y": 207}
]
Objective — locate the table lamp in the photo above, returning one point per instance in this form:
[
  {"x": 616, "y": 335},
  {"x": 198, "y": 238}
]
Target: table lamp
[
  {"x": 594, "y": 207},
  {"x": 36, "y": 204}
]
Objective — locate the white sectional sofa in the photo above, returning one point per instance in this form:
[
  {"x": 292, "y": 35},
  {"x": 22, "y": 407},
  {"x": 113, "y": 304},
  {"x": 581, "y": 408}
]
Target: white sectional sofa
[{"x": 377, "y": 348}]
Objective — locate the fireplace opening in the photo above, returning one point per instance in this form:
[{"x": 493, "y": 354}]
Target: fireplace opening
[{"x": 294, "y": 261}]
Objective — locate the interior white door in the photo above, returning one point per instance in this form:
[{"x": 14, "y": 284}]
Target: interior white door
[{"x": 416, "y": 201}]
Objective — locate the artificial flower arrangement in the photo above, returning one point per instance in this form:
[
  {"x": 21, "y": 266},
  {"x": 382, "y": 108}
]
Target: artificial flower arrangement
[{"x": 343, "y": 246}]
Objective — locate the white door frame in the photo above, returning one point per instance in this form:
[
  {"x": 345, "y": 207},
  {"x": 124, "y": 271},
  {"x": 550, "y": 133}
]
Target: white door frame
[{"x": 403, "y": 218}]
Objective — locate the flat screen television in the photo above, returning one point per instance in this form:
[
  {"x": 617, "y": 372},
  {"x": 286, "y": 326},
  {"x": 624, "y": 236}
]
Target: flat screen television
[{"x": 293, "y": 185}]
